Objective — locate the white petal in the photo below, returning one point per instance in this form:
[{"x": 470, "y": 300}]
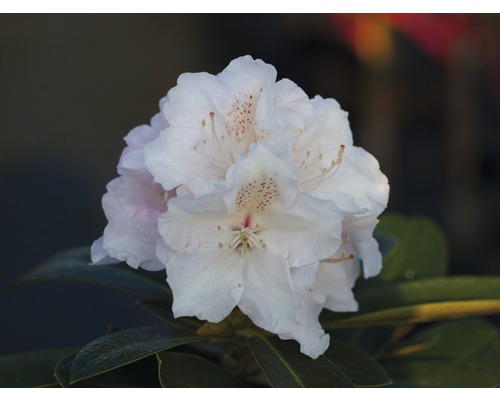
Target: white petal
[
  {"x": 312, "y": 338},
  {"x": 132, "y": 157},
  {"x": 99, "y": 256},
  {"x": 207, "y": 285},
  {"x": 197, "y": 224},
  {"x": 190, "y": 101},
  {"x": 359, "y": 175},
  {"x": 318, "y": 146},
  {"x": 308, "y": 231},
  {"x": 131, "y": 237},
  {"x": 360, "y": 230},
  {"x": 132, "y": 207},
  {"x": 269, "y": 298},
  {"x": 335, "y": 280},
  {"x": 179, "y": 157}
]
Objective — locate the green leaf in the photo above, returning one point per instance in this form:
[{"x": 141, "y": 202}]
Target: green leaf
[
  {"x": 127, "y": 346},
  {"x": 408, "y": 301},
  {"x": 437, "y": 373},
  {"x": 182, "y": 370},
  {"x": 285, "y": 367},
  {"x": 465, "y": 340},
  {"x": 140, "y": 374},
  {"x": 430, "y": 290},
  {"x": 163, "y": 311},
  {"x": 361, "y": 368},
  {"x": 420, "y": 313},
  {"x": 74, "y": 265},
  {"x": 420, "y": 251},
  {"x": 33, "y": 369},
  {"x": 462, "y": 353}
]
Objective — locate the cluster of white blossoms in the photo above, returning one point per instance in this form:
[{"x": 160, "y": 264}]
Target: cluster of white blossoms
[{"x": 250, "y": 195}]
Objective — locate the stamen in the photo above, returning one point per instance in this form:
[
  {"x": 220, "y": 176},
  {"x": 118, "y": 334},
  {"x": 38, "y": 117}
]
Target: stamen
[
  {"x": 343, "y": 257},
  {"x": 246, "y": 238},
  {"x": 325, "y": 172}
]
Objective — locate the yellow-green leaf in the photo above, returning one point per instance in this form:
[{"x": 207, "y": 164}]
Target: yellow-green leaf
[{"x": 420, "y": 313}]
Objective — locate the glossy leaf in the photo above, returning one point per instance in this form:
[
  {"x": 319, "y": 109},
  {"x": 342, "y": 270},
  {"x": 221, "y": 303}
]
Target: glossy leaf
[
  {"x": 181, "y": 370},
  {"x": 430, "y": 290},
  {"x": 140, "y": 374},
  {"x": 420, "y": 313},
  {"x": 74, "y": 265},
  {"x": 285, "y": 367},
  {"x": 124, "y": 347},
  {"x": 420, "y": 250},
  {"x": 32, "y": 369},
  {"x": 410, "y": 299}
]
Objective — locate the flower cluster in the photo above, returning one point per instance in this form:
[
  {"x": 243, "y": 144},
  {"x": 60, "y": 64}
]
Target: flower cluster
[{"x": 250, "y": 195}]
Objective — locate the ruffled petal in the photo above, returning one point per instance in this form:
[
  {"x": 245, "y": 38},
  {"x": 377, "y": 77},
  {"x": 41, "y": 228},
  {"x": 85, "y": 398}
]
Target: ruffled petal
[
  {"x": 99, "y": 256},
  {"x": 207, "y": 285},
  {"x": 360, "y": 231},
  {"x": 359, "y": 175},
  {"x": 308, "y": 332},
  {"x": 132, "y": 205},
  {"x": 335, "y": 281},
  {"x": 269, "y": 298},
  {"x": 326, "y": 132}
]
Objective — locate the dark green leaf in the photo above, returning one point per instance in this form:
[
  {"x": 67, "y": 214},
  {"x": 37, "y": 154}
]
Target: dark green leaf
[
  {"x": 285, "y": 367},
  {"x": 62, "y": 368},
  {"x": 74, "y": 265},
  {"x": 127, "y": 346},
  {"x": 33, "y": 369},
  {"x": 464, "y": 340},
  {"x": 437, "y": 373},
  {"x": 361, "y": 368},
  {"x": 462, "y": 353},
  {"x": 182, "y": 370},
  {"x": 420, "y": 251},
  {"x": 163, "y": 311},
  {"x": 140, "y": 374}
]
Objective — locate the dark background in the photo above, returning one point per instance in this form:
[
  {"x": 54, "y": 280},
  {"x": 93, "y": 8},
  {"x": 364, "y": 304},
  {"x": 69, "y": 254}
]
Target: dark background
[{"x": 422, "y": 92}]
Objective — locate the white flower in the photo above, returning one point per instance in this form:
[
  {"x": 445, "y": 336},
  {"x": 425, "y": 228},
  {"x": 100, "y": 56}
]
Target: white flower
[
  {"x": 332, "y": 168},
  {"x": 330, "y": 287},
  {"x": 214, "y": 118},
  {"x": 132, "y": 205},
  {"x": 275, "y": 206},
  {"x": 238, "y": 245}
]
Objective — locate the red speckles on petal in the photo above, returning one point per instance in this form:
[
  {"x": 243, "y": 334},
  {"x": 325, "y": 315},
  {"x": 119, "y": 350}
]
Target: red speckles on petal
[
  {"x": 257, "y": 195},
  {"x": 241, "y": 121}
]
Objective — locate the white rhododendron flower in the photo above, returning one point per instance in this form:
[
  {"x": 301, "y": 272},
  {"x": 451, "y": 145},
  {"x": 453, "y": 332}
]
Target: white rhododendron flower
[
  {"x": 238, "y": 245},
  {"x": 132, "y": 205},
  {"x": 274, "y": 210}
]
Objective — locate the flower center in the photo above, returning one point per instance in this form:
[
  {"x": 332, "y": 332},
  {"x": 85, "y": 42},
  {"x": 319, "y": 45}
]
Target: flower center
[{"x": 246, "y": 239}]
